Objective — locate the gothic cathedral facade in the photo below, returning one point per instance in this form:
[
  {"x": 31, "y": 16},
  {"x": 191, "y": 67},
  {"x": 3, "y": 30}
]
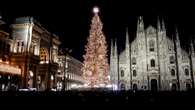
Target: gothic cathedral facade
[{"x": 152, "y": 61}]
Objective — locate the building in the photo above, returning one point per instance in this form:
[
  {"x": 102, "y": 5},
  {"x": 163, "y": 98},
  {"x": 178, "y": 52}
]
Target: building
[
  {"x": 9, "y": 73},
  {"x": 30, "y": 58},
  {"x": 152, "y": 61},
  {"x": 35, "y": 51},
  {"x": 70, "y": 70}
]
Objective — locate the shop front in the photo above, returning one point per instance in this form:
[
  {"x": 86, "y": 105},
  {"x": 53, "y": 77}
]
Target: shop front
[{"x": 10, "y": 77}]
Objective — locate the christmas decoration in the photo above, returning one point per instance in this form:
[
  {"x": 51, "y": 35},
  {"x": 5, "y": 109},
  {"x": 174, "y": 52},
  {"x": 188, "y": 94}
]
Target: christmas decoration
[{"x": 95, "y": 69}]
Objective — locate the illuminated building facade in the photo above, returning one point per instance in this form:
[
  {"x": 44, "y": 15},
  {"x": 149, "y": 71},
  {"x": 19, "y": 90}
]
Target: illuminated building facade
[
  {"x": 9, "y": 73},
  {"x": 35, "y": 51},
  {"x": 30, "y": 58},
  {"x": 153, "y": 61},
  {"x": 70, "y": 70}
]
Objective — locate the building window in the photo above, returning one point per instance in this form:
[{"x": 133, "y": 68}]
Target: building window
[
  {"x": 22, "y": 43},
  {"x": 133, "y": 61},
  {"x": 172, "y": 72},
  {"x": 152, "y": 62},
  {"x": 172, "y": 60},
  {"x": 18, "y": 43},
  {"x": 134, "y": 73},
  {"x": 43, "y": 55},
  {"x": 22, "y": 46},
  {"x": 18, "y": 47},
  {"x": 122, "y": 86},
  {"x": 186, "y": 72},
  {"x": 151, "y": 45},
  {"x": 122, "y": 73}
]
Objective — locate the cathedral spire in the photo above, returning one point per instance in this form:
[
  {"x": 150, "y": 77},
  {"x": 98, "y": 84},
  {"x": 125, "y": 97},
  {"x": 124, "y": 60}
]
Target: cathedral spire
[
  {"x": 192, "y": 47},
  {"x": 140, "y": 24},
  {"x": 177, "y": 35},
  {"x": 111, "y": 49},
  {"x": 163, "y": 25},
  {"x": 115, "y": 48},
  {"x": 158, "y": 24},
  {"x": 127, "y": 38}
]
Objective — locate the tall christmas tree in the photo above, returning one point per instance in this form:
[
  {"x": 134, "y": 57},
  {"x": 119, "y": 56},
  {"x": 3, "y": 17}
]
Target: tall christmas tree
[{"x": 95, "y": 69}]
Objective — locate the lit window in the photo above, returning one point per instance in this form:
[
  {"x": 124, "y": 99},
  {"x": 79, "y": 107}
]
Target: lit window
[
  {"x": 152, "y": 62},
  {"x": 43, "y": 55}
]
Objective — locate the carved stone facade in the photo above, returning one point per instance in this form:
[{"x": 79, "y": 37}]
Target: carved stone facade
[
  {"x": 35, "y": 50},
  {"x": 153, "y": 61}
]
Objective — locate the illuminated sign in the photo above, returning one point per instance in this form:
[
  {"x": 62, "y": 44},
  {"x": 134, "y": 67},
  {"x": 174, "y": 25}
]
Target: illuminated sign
[{"x": 9, "y": 69}]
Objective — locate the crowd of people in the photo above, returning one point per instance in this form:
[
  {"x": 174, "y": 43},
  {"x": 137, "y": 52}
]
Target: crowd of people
[{"x": 107, "y": 96}]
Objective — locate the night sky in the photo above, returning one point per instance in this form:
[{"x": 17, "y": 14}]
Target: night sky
[{"x": 71, "y": 19}]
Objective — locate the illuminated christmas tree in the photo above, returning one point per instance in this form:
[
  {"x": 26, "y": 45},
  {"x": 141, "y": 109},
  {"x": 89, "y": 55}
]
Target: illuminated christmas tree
[{"x": 95, "y": 69}]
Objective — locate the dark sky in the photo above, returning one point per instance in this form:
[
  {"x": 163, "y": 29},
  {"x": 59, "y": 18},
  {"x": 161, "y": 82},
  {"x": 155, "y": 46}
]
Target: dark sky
[{"x": 71, "y": 19}]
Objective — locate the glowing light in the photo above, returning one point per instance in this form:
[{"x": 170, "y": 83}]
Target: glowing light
[
  {"x": 52, "y": 78},
  {"x": 115, "y": 87},
  {"x": 109, "y": 77},
  {"x": 96, "y": 86},
  {"x": 73, "y": 86},
  {"x": 85, "y": 85},
  {"x": 95, "y": 10},
  {"x": 9, "y": 69},
  {"x": 31, "y": 74},
  {"x": 108, "y": 86},
  {"x": 101, "y": 85},
  {"x": 170, "y": 84}
]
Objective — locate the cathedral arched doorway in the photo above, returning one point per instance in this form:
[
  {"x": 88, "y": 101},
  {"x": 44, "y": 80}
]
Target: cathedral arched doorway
[
  {"x": 173, "y": 87},
  {"x": 154, "y": 85},
  {"x": 188, "y": 87},
  {"x": 122, "y": 86},
  {"x": 134, "y": 87}
]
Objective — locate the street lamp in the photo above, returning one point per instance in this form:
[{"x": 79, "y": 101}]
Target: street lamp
[
  {"x": 52, "y": 78},
  {"x": 31, "y": 74}
]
